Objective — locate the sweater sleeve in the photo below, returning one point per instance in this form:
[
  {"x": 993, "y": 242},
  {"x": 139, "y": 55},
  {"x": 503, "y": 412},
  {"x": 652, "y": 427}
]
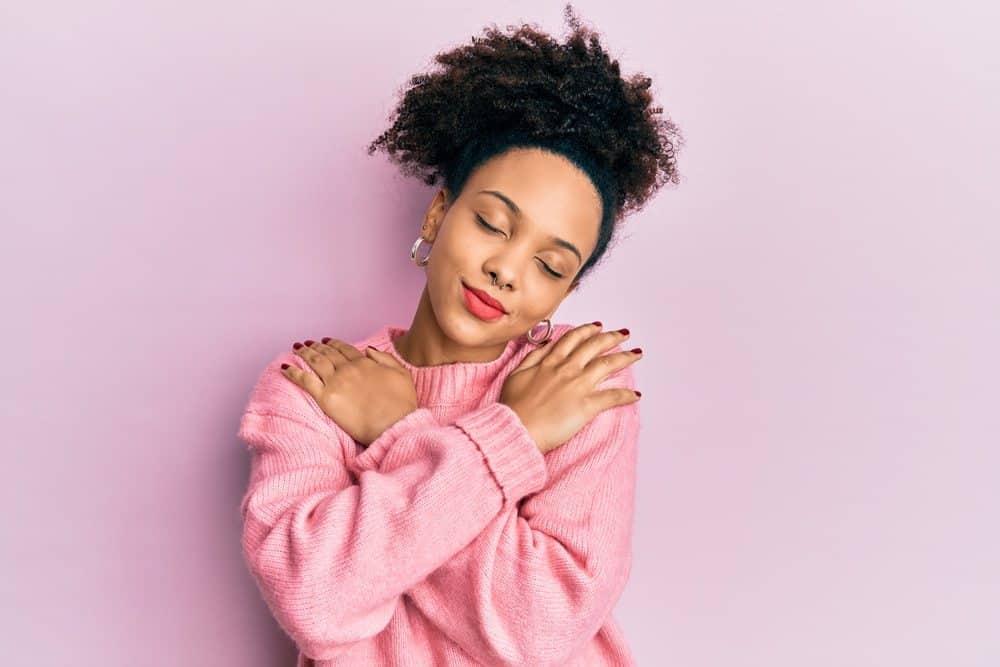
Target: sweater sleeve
[
  {"x": 535, "y": 588},
  {"x": 332, "y": 552}
]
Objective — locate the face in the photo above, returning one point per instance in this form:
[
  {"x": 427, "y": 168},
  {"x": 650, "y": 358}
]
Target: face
[{"x": 532, "y": 199}]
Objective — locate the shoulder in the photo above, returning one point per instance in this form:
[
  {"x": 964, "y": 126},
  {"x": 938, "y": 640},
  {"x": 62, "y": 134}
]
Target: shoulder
[
  {"x": 610, "y": 436},
  {"x": 274, "y": 394}
]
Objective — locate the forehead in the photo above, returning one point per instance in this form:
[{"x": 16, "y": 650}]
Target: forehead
[{"x": 552, "y": 192}]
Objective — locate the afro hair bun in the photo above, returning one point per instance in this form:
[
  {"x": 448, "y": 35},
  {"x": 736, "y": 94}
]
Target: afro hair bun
[{"x": 522, "y": 87}]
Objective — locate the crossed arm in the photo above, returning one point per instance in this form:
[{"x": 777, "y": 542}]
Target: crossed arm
[{"x": 531, "y": 587}]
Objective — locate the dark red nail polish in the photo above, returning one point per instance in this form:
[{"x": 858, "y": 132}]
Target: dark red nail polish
[
  {"x": 325, "y": 340},
  {"x": 638, "y": 393},
  {"x": 297, "y": 345},
  {"x": 310, "y": 342},
  {"x": 598, "y": 323},
  {"x": 623, "y": 331},
  {"x": 284, "y": 366},
  {"x": 637, "y": 350}
]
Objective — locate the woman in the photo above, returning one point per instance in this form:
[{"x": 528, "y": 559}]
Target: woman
[{"x": 461, "y": 492}]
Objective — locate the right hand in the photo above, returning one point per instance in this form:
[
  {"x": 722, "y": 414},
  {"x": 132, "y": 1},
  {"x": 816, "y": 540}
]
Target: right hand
[
  {"x": 552, "y": 389},
  {"x": 363, "y": 392}
]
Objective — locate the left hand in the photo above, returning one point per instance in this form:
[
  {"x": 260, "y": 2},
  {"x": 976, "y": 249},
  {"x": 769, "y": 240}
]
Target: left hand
[{"x": 365, "y": 393}]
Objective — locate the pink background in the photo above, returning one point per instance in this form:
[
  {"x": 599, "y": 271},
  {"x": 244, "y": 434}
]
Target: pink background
[{"x": 186, "y": 192}]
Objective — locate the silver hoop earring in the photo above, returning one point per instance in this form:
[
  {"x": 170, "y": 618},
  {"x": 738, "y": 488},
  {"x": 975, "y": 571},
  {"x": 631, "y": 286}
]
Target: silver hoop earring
[
  {"x": 413, "y": 253},
  {"x": 548, "y": 332}
]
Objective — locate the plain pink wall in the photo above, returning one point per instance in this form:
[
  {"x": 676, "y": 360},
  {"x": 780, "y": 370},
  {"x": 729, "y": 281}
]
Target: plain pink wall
[{"x": 185, "y": 192}]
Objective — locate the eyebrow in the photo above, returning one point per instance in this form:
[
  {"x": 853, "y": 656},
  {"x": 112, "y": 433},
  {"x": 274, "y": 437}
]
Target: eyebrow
[{"x": 562, "y": 243}]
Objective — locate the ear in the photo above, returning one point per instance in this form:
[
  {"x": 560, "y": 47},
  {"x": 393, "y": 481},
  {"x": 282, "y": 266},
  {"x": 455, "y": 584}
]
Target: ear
[{"x": 435, "y": 214}]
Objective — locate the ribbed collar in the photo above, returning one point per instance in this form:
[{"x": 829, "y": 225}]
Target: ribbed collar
[{"x": 449, "y": 384}]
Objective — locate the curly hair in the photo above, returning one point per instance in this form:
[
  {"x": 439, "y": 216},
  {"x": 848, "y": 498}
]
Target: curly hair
[{"x": 525, "y": 89}]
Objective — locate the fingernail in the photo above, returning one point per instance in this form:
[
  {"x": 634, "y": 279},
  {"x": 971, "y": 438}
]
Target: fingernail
[
  {"x": 597, "y": 323},
  {"x": 297, "y": 345},
  {"x": 637, "y": 350},
  {"x": 310, "y": 342},
  {"x": 324, "y": 340},
  {"x": 623, "y": 331},
  {"x": 638, "y": 393},
  {"x": 284, "y": 366}
]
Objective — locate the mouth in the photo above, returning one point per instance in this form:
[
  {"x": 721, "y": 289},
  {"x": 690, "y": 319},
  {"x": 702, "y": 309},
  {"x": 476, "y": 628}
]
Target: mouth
[{"x": 482, "y": 304}]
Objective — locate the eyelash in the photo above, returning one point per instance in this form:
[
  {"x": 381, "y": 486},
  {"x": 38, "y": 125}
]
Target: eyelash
[{"x": 545, "y": 266}]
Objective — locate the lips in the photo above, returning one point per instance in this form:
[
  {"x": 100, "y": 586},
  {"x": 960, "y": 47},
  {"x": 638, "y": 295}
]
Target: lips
[{"x": 486, "y": 298}]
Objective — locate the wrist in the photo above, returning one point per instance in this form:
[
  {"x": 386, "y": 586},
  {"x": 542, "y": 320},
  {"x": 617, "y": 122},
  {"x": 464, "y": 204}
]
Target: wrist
[{"x": 525, "y": 421}]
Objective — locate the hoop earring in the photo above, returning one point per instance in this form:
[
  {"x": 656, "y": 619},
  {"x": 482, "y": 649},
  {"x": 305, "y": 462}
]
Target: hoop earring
[
  {"x": 548, "y": 332},
  {"x": 413, "y": 253}
]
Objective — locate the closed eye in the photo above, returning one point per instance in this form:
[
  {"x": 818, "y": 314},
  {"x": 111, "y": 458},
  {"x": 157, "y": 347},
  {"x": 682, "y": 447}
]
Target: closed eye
[
  {"x": 490, "y": 227},
  {"x": 485, "y": 224}
]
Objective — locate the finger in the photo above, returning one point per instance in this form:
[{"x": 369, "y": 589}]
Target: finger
[
  {"x": 596, "y": 345},
  {"x": 604, "y": 365},
  {"x": 320, "y": 363},
  {"x": 612, "y": 398},
  {"x": 383, "y": 358},
  {"x": 303, "y": 378},
  {"x": 335, "y": 354},
  {"x": 534, "y": 357},
  {"x": 568, "y": 342},
  {"x": 346, "y": 350},
  {"x": 332, "y": 354}
]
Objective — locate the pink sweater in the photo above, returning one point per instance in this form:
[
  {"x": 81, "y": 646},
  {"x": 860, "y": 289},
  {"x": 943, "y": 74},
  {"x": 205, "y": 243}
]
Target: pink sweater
[{"x": 451, "y": 539}]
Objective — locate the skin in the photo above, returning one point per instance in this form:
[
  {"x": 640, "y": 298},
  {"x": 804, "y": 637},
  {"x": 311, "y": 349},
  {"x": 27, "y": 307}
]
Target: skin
[
  {"x": 554, "y": 198},
  {"x": 552, "y": 390}
]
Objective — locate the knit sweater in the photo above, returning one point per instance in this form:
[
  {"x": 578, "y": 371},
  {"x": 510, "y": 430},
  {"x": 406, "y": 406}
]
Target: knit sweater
[{"x": 449, "y": 540}]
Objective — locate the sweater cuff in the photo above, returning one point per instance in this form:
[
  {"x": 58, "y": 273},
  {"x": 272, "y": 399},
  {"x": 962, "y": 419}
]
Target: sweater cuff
[
  {"x": 511, "y": 453},
  {"x": 418, "y": 420}
]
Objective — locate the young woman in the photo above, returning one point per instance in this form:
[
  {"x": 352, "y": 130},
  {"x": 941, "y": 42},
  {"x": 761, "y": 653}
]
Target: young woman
[{"x": 461, "y": 492}]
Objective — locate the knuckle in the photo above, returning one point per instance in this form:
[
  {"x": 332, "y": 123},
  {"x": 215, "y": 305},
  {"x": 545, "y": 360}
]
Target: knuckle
[
  {"x": 567, "y": 372},
  {"x": 564, "y": 371}
]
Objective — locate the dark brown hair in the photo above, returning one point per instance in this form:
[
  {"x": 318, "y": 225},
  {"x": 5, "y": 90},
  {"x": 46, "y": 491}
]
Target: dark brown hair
[{"x": 523, "y": 88}]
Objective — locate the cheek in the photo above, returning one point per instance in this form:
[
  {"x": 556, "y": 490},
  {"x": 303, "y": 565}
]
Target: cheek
[
  {"x": 533, "y": 307},
  {"x": 449, "y": 252}
]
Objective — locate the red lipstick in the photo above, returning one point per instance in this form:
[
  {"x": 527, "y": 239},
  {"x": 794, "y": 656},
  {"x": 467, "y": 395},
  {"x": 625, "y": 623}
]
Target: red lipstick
[{"x": 482, "y": 304}]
